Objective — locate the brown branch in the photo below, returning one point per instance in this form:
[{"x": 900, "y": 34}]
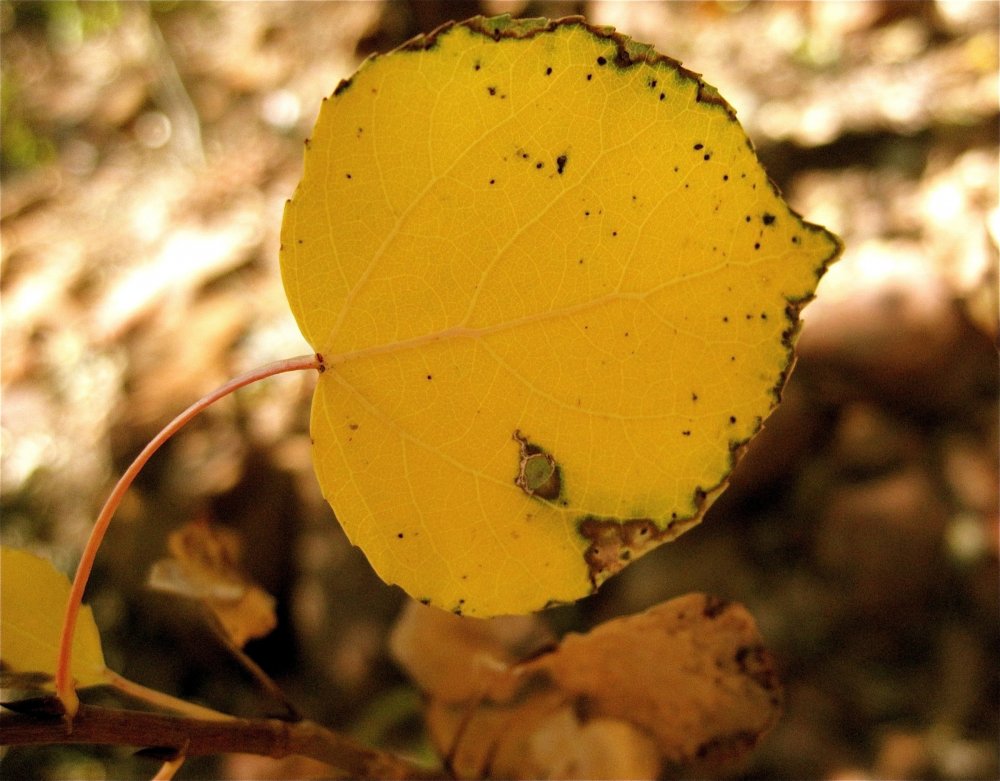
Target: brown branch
[{"x": 196, "y": 737}]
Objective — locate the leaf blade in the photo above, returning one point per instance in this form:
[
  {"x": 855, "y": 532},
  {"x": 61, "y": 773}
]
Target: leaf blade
[
  {"x": 33, "y": 596},
  {"x": 505, "y": 228}
]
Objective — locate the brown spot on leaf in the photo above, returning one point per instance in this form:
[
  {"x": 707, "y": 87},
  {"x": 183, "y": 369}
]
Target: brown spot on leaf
[
  {"x": 714, "y": 606},
  {"x": 613, "y": 544},
  {"x": 538, "y": 473}
]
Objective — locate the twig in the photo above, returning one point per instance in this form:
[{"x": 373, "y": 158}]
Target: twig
[
  {"x": 255, "y": 670},
  {"x": 198, "y": 737}
]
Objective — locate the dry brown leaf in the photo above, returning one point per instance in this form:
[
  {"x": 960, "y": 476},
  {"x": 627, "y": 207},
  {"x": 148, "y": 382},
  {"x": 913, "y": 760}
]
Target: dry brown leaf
[
  {"x": 204, "y": 565},
  {"x": 686, "y": 687},
  {"x": 460, "y": 658}
]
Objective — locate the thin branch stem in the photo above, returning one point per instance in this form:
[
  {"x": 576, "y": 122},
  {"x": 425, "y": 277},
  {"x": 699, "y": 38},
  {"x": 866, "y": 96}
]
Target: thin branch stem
[
  {"x": 265, "y": 681},
  {"x": 65, "y": 688},
  {"x": 197, "y": 737}
]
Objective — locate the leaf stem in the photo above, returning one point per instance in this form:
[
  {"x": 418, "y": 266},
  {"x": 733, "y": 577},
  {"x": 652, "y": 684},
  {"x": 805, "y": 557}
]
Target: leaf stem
[
  {"x": 65, "y": 688},
  {"x": 161, "y": 700}
]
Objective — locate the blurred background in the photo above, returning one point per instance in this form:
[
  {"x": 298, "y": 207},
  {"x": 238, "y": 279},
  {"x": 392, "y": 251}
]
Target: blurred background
[{"x": 147, "y": 150}]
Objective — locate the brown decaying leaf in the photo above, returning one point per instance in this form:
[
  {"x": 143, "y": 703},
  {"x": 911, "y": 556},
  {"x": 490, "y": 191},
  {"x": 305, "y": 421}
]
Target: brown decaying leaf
[
  {"x": 684, "y": 688},
  {"x": 204, "y": 565}
]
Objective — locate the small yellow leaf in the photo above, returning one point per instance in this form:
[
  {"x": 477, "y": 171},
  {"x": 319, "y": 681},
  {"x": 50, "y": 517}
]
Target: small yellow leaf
[
  {"x": 555, "y": 293},
  {"x": 33, "y": 596}
]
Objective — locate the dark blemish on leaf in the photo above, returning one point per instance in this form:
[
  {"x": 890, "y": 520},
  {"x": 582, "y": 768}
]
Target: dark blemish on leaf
[
  {"x": 686, "y": 186},
  {"x": 430, "y": 376},
  {"x": 308, "y": 143},
  {"x": 493, "y": 181},
  {"x": 795, "y": 239},
  {"x": 662, "y": 96},
  {"x": 538, "y": 473},
  {"x": 725, "y": 318},
  {"x": 756, "y": 245},
  {"x": 341, "y": 87},
  {"x": 561, "y": 163},
  {"x": 614, "y": 233},
  {"x": 590, "y": 76},
  {"x": 539, "y": 165},
  {"x": 676, "y": 169},
  {"x": 652, "y": 83},
  {"x": 352, "y": 426},
  {"x": 586, "y": 214},
  {"x": 698, "y": 147},
  {"x": 548, "y": 71},
  {"x": 424, "y": 601},
  {"x": 348, "y": 176},
  {"x": 686, "y": 433},
  {"x": 763, "y": 315},
  {"x": 585, "y": 708},
  {"x": 614, "y": 543},
  {"x": 477, "y": 66},
  {"x": 694, "y": 397},
  {"x": 755, "y": 662},
  {"x": 707, "y": 157},
  {"x": 768, "y": 219},
  {"x": 602, "y": 61},
  {"x": 732, "y": 419},
  {"x": 748, "y": 218},
  {"x": 399, "y": 535},
  {"x": 714, "y": 606},
  {"x": 725, "y": 177},
  {"x": 749, "y": 316},
  {"x": 491, "y": 90}
]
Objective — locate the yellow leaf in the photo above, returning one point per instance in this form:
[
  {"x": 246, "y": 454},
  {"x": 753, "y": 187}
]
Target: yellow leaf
[
  {"x": 555, "y": 293},
  {"x": 33, "y": 596}
]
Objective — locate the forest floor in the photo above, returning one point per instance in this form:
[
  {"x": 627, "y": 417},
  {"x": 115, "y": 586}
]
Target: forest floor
[{"x": 147, "y": 151}]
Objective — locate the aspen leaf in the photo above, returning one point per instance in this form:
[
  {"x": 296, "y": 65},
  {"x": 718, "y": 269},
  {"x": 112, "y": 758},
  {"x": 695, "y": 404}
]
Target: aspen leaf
[
  {"x": 686, "y": 686},
  {"x": 555, "y": 294},
  {"x": 33, "y": 596}
]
